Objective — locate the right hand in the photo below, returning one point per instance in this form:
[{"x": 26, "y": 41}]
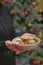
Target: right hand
[{"x": 13, "y": 47}]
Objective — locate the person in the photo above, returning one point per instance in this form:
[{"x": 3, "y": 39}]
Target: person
[{"x": 7, "y": 49}]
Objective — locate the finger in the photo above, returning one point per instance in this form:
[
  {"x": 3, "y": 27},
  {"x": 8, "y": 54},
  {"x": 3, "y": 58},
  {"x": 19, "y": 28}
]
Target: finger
[
  {"x": 32, "y": 34},
  {"x": 28, "y": 35},
  {"x": 8, "y": 42},
  {"x": 15, "y": 49},
  {"x": 19, "y": 49}
]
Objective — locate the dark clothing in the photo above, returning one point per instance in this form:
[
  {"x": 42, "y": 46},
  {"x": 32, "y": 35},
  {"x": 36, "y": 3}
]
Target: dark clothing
[
  {"x": 6, "y": 33},
  {"x": 7, "y": 58}
]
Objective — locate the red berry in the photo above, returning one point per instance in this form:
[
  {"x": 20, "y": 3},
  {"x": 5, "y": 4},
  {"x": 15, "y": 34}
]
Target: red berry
[
  {"x": 22, "y": 32},
  {"x": 17, "y": 62},
  {"x": 34, "y": 62},
  {"x": 26, "y": 13},
  {"x": 5, "y": 1},
  {"x": 34, "y": 30}
]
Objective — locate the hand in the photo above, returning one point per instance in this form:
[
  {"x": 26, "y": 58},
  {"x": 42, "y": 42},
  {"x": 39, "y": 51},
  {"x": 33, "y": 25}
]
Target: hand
[
  {"x": 29, "y": 34},
  {"x": 13, "y": 47}
]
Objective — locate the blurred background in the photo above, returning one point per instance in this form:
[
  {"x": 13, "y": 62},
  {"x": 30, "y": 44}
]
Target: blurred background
[{"x": 27, "y": 17}]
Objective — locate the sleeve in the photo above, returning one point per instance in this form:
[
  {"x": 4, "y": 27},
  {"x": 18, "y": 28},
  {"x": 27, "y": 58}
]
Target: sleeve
[
  {"x": 14, "y": 34},
  {"x": 3, "y": 46}
]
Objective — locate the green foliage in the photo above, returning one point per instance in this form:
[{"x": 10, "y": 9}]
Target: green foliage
[{"x": 20, "y": 20}]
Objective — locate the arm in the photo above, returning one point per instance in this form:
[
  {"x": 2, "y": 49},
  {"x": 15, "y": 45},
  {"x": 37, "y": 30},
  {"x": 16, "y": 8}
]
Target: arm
[{"x": 5, "y": 29}]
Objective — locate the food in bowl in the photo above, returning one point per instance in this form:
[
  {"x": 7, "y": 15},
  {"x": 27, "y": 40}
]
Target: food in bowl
[{"x": 28, "y": 41}]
